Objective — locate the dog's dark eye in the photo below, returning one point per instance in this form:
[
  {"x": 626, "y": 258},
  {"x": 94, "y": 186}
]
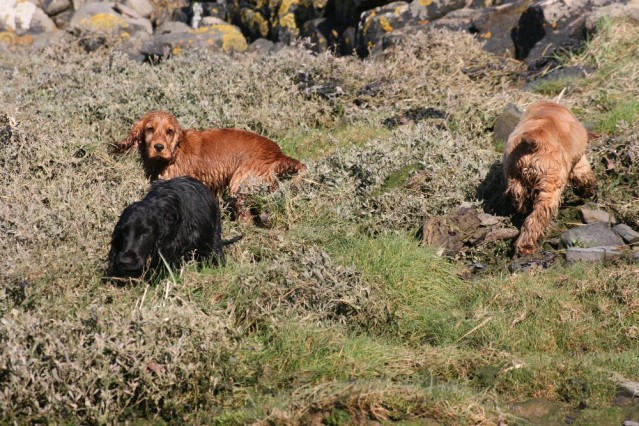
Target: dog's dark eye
[
  {"x": 169, "y": 132},
  {"x": 149, "y": 130}
]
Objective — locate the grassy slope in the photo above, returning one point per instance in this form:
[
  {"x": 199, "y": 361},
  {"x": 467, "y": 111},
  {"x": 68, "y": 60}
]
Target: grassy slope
[{"x": 335, "y": 314}]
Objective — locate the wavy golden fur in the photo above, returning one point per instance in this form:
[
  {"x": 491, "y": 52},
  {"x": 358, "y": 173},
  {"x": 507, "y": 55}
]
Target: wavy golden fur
[
  {"x": 220, "y": 158},
  {"x": 543, "y": 153}
]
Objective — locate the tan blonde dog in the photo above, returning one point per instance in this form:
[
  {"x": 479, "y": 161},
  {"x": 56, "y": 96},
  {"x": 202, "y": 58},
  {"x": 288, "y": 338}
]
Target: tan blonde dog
[
  {"x": 543, "y": 153},
  {"x": 220, "y": 158}
]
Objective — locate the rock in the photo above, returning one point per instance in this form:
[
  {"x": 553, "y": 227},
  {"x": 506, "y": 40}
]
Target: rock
[
  {"x": 126, "y": 11},
  {"x": 548, "y": 25},
  {"x": 492, "y": 25},
  {"x": 452, "y": 231},
  {"x": 348, "y": 12},
  {"x": 144, "y": 8},
  {"x": 594, "y": 235},
  {"x": 253, "y": 24},
  {"x": 277, "y": 20},
  {"x": 590, "y": 215},
  {"x": 140, "y": 24},
  {"x": 463, "y": 229},
  {"x": 424, "y": 11},
  {"x": 488, "y": 219},
  {"x": 23, "y": 17},
  {"x": 10, "y": 42},
  {"x": 592, "y": 254},
  {"x": 560, "y": 73},
  {"x": 347, "y": 44},
  {"x": 377, "y": 22},
  {"x": 630, "y": 423},
  {"x": 53, "y": 7},
  {"x": 284, "y": 23},
  {"x": 226, "y": 38},
  {"x": 629, "y": 235},
  {"x": 628, "y": 11},
  {"x": 98, "y": 17},
  {"x": 172, "y": 27},
  {"x": 498, "y": 234},
  {"x": 322, "y": 33},
  {"x": 506, "y": 123},
  {"x": 261, "y": 46},
  {"x": 629, "y": 388},
  {"x": 63, "y": 19}
]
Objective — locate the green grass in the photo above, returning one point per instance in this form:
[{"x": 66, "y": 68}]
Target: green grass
[
  {"x": 555, "y": 87},
  {"x": 624, "y": 112},
  {"x": 318, "y": 143},
  {"x": 422, "y": 289}
]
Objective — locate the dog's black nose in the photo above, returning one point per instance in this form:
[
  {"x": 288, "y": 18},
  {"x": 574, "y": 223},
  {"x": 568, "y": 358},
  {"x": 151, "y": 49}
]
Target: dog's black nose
[{"x": 158, "y": 147}]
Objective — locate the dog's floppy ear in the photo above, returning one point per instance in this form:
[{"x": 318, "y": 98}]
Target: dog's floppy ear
[{"x": 134, "y": 137}]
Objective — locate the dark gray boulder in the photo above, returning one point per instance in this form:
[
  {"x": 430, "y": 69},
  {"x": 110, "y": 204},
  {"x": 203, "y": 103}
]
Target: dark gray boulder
[
  {"x": 594, "y": 235},
  {"x": 375, "y": 23}
]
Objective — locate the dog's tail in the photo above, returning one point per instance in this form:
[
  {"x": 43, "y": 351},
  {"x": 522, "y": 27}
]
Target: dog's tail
[
  {"x": 232, "y": 240},
  {"x": 288, "y": 166}
]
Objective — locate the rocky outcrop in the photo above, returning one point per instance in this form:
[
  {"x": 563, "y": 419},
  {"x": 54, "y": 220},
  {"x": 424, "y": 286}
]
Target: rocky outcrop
[
  {"x": 220, "y": 37},
  {"x": 279, "y": 20},
  {"x": 529, "y": 30}
]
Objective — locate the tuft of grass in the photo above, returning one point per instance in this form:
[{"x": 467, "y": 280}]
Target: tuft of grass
[
  {"x": 422, "y": 289},
  {"x": 553, "y": 88},
  {"x": 318, "y": 143}
]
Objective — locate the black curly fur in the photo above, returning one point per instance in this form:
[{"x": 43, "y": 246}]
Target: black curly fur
[{"x": 178, "y": 218}]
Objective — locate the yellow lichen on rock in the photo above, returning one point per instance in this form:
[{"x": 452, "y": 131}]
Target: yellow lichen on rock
[
  {"x": 232, "y": 38},
  {"x": 385, "y": 24},
  {"x": 425, "y": 2},
  {"x": 288, "y": 21},
  {"x": 8, "y": 38},
  {"x": 255, "y": 20},
  {"x": 176, "y": 50},
  {"x": 285, "y": 7},
  {"x": 369, "y": 21},
  {"x": 104, "y": 22}
]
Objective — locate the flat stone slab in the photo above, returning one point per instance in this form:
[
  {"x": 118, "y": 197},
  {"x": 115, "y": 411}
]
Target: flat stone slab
[
  {"x": 592, "y": 254},
  {"x": 593, "y": 235},
  {"x": 589, "y": 215},
  {"x": 506, "y": 122},
  {"x": 629, "y": 388},
  {"x": 628, "y": 234}
]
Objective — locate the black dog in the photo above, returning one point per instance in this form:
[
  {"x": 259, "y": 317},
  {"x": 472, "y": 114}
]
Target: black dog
[{"x": 178, "y": 219}]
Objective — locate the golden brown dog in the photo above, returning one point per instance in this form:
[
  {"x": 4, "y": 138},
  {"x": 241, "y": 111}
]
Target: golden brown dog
[
  {"x": 220, "y": 158},
  {"x": 543, "y": 153}
]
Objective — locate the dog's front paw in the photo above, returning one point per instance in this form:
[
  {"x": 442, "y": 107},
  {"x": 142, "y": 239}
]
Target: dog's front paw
[{"x": 524, "y": 250}]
